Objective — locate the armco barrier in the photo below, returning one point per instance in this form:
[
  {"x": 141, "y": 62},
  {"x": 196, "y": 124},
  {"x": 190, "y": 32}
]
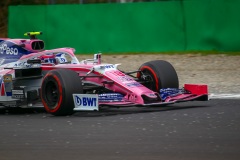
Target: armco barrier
[{"x": 133, "y": 27}]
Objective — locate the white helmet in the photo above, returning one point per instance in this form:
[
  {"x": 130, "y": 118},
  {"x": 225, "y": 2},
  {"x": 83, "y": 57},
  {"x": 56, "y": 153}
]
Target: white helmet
[{"x": 60, "y": 58}]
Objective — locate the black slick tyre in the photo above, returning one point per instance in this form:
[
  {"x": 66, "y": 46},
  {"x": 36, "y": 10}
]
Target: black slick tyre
[
  {"x": 159, "y": 74},
  {"x": 57, "y": 89}
]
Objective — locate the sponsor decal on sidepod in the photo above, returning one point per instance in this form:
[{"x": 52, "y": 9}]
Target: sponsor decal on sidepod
[{"x": 8, "y": 50}]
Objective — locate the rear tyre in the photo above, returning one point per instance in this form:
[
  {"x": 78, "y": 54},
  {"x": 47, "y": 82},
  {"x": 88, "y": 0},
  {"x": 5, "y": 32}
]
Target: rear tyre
[
  {"x": 57, "y": 89},
  {"x": 158, "y": 74}
]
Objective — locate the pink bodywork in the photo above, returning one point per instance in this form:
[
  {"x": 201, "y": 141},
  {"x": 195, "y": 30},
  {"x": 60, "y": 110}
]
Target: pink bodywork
[
  {"x": 99, "y": 73},
  {"x": 118, "y": 81}
]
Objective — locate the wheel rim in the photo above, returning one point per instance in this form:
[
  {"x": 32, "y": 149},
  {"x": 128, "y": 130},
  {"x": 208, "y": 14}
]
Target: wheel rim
[
  {"x": 151, "y": 84},
  {"x": 52, "y": 94}
]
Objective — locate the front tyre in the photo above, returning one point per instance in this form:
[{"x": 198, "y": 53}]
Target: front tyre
[
  {"x": 57, "y": 89},
  {"x": 158, "y": 74}
]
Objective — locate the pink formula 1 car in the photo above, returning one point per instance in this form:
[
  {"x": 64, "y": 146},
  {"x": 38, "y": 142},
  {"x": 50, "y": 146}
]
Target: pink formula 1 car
[{"x": 31, "y": 77}]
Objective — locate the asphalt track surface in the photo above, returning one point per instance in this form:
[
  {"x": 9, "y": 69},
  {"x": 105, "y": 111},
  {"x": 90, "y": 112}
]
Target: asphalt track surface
[{"x": 185, "y": 131}]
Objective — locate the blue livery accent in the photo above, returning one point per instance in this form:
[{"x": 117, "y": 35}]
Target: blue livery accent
[
  {"x": 110, "y": 97},
  {"x": 9, "y": 93},
  {"x": 134, "y": 84},
  {"x": 1, "y": 79},
  {"x": 170, "y": 92},
  {"x": 109, "y": 66},
  {"x": 11, "y": 52}
]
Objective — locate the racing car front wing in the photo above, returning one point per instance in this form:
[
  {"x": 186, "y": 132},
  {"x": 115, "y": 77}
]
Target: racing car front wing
[{"x": 190, "y": 92}]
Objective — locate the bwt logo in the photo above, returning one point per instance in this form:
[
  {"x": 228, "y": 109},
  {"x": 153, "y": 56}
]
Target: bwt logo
[
  {"x": 85, "y": 101},
  {"x": 109, "y": 66}
]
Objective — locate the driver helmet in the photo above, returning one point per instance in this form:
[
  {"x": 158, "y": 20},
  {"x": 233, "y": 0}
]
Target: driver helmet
[
  {"x": 61, "y": 58},
  {"x": 48, "y": 58}
]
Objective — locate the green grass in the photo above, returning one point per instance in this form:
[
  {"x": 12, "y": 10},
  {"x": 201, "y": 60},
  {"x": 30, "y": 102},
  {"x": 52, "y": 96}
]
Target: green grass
[{"x": 204, "y": 53}]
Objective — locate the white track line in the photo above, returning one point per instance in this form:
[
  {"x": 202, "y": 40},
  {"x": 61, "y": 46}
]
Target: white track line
[{"x": 224, "y": 96}]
